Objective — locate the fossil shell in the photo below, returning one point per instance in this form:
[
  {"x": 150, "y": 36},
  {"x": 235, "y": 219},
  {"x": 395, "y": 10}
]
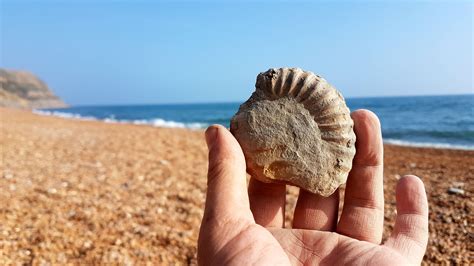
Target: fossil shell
[{"x": 296, "y": 129}]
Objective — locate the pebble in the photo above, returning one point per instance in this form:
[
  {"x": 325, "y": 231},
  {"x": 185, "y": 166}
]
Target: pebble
[
  {"x": 8, "y": 176},
  {"x": 458, "y": 191},
  {"x": 446, "y": 219},
  {"x": 87, "y": 244}
]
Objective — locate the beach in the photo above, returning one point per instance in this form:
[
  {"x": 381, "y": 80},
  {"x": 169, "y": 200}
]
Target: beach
[{"x": 77, "y": 192}]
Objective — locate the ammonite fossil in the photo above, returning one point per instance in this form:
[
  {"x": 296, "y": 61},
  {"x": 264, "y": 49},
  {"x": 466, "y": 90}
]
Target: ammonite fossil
[{"x": 296, "y": 129}]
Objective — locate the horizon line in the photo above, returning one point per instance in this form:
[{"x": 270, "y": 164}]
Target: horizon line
[{"x": 231, "y": 102}]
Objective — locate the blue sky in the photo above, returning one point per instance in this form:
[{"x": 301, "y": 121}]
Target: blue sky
[{"x": 131, "y": 52}]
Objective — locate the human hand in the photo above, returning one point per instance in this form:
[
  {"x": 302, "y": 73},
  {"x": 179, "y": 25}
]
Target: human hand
[{"x": 243, "y": 227}]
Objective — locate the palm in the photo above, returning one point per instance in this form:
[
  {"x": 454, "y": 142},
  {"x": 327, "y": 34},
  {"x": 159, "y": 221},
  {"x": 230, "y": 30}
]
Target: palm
[
  {"x": 276, "y": 246},
  {"x": 334, "y": 249},
  {"x": 247, "y": 227}
]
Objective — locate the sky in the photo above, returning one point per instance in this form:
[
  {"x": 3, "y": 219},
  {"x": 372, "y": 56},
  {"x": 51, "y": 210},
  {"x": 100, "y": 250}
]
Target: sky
[{"x": 152, "y": 52}]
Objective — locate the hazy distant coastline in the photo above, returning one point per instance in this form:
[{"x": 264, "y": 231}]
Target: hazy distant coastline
[{"x": 22, "y": 89}]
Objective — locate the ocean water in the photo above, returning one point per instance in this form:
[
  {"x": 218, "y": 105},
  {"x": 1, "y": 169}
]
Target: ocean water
[{"x": 432, "y": 121}]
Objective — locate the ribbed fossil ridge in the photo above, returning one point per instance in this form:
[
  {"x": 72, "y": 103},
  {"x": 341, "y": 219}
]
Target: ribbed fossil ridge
[{"x": 296, "y": 129}]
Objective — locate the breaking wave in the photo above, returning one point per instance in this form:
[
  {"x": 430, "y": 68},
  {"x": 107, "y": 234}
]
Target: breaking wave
[
  {"x": 428, "y": 144},
  {"x": 156, "y": 122}
]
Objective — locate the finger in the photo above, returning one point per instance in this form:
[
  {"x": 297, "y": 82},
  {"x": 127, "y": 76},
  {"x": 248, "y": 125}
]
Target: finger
[
  {"x": 362, "y": 215},
  {"x": 316, "y": 212},
  {"x": 226, "y": 184},
  {"x": 227, "y": 211},
  {"x": 267, "y": 202},
  {"x": 410, "y": 234}
]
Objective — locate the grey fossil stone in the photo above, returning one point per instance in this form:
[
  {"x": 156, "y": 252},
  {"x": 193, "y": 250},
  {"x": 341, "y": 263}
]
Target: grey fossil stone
[{"x": 296, "y": 129}]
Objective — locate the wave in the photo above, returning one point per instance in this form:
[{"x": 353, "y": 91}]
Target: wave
[
  {"x": 458, "y": 134},
  {"x": 64, "y": 115},
  {"x": 156, "y": 122},
  {"x": 428, "y": 144},
  {"x": 394, "y": 137}
]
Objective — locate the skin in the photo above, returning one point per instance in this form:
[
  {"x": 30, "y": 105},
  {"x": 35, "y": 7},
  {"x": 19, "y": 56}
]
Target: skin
[{"x": 245, "y": 226}]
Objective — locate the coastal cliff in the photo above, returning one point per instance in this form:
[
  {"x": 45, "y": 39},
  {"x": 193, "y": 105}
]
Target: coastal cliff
[{"x": 21, "y": 89}]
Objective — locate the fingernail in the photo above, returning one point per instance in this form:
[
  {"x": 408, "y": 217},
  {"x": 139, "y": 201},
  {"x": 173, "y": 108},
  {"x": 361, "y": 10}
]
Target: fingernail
[{"x": 211, "y": 134}]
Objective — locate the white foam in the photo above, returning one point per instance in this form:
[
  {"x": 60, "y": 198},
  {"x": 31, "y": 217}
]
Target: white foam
[
  {"x": 156, "y": 122},
  {"x": 428, "y": 144},
  {"x": 64, "y": 115},
  {"x": 111, "y": 120}
]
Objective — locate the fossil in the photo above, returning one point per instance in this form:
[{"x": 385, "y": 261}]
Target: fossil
[{"x": 296, "y": 129}]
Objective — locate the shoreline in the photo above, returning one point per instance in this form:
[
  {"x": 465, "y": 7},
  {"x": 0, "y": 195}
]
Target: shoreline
[
  {"x": 92, "y": 192},
  {"x": 161, "y": 123}
]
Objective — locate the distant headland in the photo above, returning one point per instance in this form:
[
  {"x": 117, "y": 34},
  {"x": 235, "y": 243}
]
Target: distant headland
[{"x": 22, "y": 89}]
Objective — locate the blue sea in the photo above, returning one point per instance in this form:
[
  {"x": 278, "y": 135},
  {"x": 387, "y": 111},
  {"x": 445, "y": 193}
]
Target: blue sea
[{"x": 431, "y": 121}]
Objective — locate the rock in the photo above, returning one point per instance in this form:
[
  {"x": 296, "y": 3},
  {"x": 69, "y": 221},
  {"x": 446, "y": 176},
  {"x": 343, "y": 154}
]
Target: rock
[
  {"x": 8, "y": 176},
  {"x": 296, "y": 129},
  {"x": 20, "y": 89},
  {"x": 446, "y": 219},
  {"x": 164, "y": 162},
  {"x": 458, "y": 191},
  {"x": 87, "y": 244}
]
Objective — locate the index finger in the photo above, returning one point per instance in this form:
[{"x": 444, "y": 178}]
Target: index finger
[
  {"x": 227, "y": 209},
  {"x": 226, "y": 184},
  {"x": 363, "y": 212}
]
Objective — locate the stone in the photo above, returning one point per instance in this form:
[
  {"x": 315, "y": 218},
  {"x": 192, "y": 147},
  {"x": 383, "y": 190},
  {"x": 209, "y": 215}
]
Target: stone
[
  {"x": 296, "y": 129},
  {"x": 458, "y": 191}
]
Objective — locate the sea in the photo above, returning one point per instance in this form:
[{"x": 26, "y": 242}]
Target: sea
[{"x": 424, "y": 121}]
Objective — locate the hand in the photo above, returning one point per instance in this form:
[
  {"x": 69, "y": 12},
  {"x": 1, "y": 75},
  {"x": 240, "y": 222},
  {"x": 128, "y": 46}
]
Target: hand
[{"x": 243, "y": 227}]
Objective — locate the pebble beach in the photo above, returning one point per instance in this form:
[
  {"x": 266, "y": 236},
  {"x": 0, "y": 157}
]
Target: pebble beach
[{"x": 88, "y": 192}]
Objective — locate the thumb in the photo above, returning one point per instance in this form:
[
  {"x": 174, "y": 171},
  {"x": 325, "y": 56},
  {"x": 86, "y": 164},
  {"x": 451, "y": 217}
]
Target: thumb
[
  {"x": 226, "y": 180},
  {"x": 410, "y": 234}
]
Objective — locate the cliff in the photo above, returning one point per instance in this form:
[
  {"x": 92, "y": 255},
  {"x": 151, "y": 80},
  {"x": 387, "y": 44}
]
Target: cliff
[{"x": 21, "y": 89}]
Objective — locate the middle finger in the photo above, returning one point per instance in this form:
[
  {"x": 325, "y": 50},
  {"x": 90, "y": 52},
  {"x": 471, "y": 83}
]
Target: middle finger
[{"x": 316, "y": 212}]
